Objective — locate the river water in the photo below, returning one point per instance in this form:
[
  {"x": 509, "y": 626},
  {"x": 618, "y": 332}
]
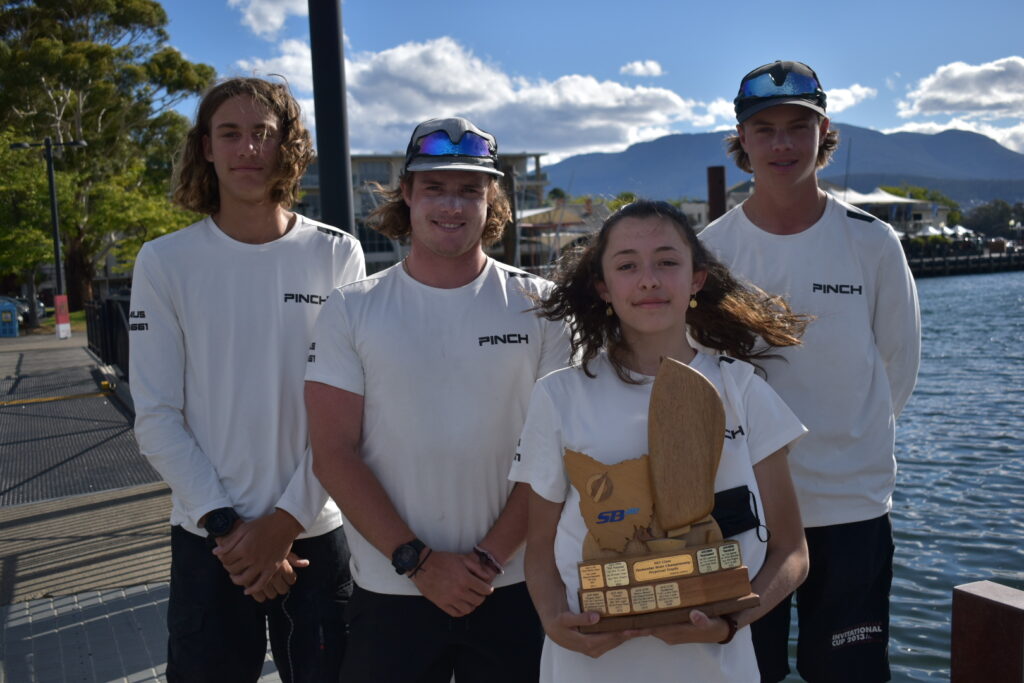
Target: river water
[{"x": 958, "y": 510}]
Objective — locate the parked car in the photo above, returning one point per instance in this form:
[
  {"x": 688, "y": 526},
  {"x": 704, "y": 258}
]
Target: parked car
[
  {"x": 22, "y": 308},
  {"x": 40, "y": 307}
]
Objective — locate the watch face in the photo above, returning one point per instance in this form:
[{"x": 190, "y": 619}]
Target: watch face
[
  {"x": 218, "y": 523},
  {"x": 405, "y": 558}
]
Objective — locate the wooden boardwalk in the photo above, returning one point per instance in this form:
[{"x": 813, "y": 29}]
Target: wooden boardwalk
[{"x": 964, "y": 265}]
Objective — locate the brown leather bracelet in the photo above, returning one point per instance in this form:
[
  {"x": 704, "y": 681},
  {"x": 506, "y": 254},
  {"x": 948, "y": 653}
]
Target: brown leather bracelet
[
  {"x": 733, "y": 627},
  {"x": 419, "y": 566}
]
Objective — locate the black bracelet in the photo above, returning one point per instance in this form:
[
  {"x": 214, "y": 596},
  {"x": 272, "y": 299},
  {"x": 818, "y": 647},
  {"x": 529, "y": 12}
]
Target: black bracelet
[
  {"x": 733, "y": 627},
  {"x": 416, "y": 569}
]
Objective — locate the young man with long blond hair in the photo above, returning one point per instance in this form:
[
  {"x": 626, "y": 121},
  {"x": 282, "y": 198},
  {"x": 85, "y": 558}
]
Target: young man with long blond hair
[
  {"x": 416, "y": 394},
  {"x": 222, "y": 312}
]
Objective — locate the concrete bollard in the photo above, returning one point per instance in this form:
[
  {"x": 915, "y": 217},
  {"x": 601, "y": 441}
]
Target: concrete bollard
[{"x": 988, "y": 634}]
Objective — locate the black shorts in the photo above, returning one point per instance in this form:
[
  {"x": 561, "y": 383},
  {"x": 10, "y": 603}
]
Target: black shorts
[
  {"x": 842, "y": 609},
  {"x": 408, "y": 639},
  {"x": 218, "y": 634}
]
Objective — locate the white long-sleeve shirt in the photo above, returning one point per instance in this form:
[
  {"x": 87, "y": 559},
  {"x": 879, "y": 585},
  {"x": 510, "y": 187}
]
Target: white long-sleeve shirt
[
  {"x": 219, "y": 334},
  {"x": 858, "y": 364}
]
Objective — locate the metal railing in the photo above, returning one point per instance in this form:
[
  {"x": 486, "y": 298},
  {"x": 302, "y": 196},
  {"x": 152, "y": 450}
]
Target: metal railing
[{"x": 107, "y": 330}]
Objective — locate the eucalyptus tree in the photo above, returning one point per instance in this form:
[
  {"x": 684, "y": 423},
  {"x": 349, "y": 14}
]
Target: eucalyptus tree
[{"x": 100, "y": 71}]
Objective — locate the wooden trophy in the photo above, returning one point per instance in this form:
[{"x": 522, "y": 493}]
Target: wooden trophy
[{"x": 653, "y": 551}]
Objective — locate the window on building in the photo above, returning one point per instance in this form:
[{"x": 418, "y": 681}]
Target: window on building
[{"x": 371, "y": 172}]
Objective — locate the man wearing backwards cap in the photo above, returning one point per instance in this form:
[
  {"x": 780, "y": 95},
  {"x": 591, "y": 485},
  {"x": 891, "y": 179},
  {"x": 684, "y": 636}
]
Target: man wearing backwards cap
[
  {"x": 417, "y": 386},
  {"x": 847, "y": 383}
]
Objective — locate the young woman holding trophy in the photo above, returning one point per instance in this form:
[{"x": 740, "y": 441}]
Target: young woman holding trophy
[{"x": 630, "y": 297}]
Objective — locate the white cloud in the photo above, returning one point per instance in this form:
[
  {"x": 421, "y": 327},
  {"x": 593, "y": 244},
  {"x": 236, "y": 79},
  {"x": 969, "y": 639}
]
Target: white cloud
[
  {"x": 844, "y": 98},
  {"x": 1011, "y": 136},
  {"x": 990, "y": 91},
  {"x": 720, "y": 114},
  {"x": 389, "y": 92},
  {"x": 294, "y": 63},
  {"x": 892, "y": 81},
  {"x": 266, "y": 17},
  {"x": 647, "y": 67}
]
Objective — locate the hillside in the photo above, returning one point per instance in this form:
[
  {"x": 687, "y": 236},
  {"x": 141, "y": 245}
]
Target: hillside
[{"x": 968, "y": 167}]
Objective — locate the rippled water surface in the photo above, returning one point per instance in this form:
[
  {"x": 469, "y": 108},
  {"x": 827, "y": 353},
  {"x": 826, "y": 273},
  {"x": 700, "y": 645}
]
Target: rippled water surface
[{"x": 958, "y": 510}]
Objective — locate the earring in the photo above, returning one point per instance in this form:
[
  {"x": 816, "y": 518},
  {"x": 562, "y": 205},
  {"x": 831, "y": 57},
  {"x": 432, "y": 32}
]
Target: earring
[
  {"x": 609, "y": 311},
  {"x": 693, "y": 301}
]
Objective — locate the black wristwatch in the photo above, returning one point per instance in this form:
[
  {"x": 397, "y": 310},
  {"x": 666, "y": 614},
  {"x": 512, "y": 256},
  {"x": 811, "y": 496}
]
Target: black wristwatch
[
  {"x": 220, "y": 522},
  {"x": 407, "y": 556}
]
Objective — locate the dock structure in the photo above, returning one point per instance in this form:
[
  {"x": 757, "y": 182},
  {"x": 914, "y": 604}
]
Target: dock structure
[
  {"x": 965, "y": 264},
  {"x": 987, "y": 640}
]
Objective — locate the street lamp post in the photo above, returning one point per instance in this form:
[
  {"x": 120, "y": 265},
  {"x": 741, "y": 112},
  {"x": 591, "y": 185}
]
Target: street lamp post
[{"x": 60, "y": 298}]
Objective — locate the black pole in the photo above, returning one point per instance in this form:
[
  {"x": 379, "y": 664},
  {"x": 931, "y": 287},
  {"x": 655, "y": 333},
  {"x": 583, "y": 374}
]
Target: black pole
[
  {"x": 716, "y": 192},
  {"x": 325, "y": 41},
  {"x": 58, "y": 261}
]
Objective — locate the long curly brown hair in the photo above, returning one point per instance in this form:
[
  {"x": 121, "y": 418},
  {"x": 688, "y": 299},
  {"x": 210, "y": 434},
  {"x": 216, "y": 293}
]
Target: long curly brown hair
[
  {"x": 392, "y": 219},
  {"x": 195, "y": 180},
  {"x": 731, "y": 316}
]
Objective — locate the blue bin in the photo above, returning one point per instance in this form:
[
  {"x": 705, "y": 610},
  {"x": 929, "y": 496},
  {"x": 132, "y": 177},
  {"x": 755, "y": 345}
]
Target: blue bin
[{"x": 8, "y": 319}]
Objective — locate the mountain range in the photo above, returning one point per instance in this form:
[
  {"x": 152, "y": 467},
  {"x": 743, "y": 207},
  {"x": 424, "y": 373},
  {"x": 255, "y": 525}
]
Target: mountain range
[{"x": 968, "y": 167}]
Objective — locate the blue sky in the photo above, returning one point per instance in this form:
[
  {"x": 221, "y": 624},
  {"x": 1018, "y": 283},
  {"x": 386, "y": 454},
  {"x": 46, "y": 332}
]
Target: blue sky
[{"x": 573, "y": 77}]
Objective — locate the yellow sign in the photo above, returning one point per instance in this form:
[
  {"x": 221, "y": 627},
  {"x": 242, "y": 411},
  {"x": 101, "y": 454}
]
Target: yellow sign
[
  {"x": 616, "y": 574},
  {"x": 591, "y": 577},
  {"x": 663, "y": 567},
  {"x": 593, "y": 601},
  {"x": 668, "y": 595},
  {"x": 618, "y": 601},
  {"x": 707, "y": 560},
  {"x": 643, "y": 599},
  {"x": 730, "y": 554}
]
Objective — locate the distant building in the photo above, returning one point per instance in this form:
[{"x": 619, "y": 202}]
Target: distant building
[{"x": 908, "y": 216}]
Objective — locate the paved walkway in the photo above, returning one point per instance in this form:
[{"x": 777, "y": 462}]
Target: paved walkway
[{"x": 84, "y": 540}]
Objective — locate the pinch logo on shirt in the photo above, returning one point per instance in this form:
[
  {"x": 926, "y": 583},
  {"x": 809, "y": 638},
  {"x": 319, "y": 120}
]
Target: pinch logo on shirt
[
  {"x": 304, "y": 298},
  {"x": 734, "y": 433},
  {"x": 836, "y": 289},
  {"x": 498, "y": 339}
]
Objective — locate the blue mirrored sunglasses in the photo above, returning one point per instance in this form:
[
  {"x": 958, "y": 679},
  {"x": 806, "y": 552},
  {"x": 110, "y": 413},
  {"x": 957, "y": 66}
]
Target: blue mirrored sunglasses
[
  {"x": 795, "y": 84},
  {"x": 439, "y": 144}
]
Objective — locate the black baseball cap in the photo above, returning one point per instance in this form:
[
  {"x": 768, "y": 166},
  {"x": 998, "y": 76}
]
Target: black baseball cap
[
  {"x": 452, "y": 144},
  {"x": 779, "y": 83}
]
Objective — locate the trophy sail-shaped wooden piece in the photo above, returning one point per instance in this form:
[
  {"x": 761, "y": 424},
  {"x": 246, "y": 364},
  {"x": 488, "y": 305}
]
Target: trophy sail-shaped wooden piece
[
  {"x": 683, "y": 563},
  {"x": 685, "y": 433}
]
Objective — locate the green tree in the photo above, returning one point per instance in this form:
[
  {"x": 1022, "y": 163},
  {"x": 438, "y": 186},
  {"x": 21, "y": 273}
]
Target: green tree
[
  {"x": 994, "y": 218},
  {"x": 955, "y": 216},
  {"x": 621, "y": 199},
  {"x": 99, "y": 71},
  {"x": 25, "y": 233},
  {"x": 557, "y": 193}
]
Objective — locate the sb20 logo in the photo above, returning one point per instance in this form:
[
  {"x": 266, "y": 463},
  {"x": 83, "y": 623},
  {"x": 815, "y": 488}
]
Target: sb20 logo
[{"x": 609, "y": 516}]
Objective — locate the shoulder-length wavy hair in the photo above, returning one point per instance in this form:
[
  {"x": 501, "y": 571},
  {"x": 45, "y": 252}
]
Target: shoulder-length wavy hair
[
  {"x": 731, "y": 315},
  {"x": 195, "y": 185},
  {"x": 391, "y": 218},
  {"x": 826, "y": 148}
]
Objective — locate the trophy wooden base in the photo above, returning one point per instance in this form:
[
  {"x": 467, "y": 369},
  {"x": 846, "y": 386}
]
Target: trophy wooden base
[
  {"x": 675, "y": 616},
  {"x": 641, "y": 591}
]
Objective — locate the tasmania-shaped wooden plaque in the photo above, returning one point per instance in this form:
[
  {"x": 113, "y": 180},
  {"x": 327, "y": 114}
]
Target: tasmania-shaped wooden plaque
[{"x": 640, "y": 570}]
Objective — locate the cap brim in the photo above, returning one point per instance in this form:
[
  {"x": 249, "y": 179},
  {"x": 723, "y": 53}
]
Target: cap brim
[
  {"x": 451, "y": 165},
  {"x": 774, "y": 102}
]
